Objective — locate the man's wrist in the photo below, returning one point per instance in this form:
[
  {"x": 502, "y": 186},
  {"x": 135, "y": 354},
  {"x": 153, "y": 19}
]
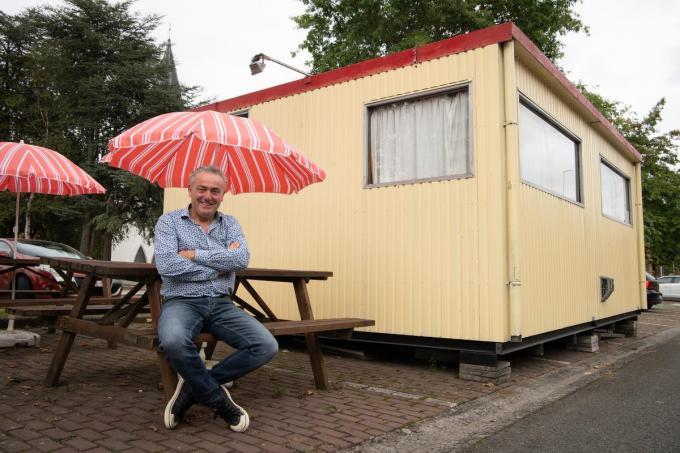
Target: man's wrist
[
  {"x": 188, "y": 254},
  {"x": 197, "y": 257}
]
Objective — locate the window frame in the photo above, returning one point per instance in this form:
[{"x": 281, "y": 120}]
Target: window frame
[
  {"x": 627, "y": 179},
  {"x": 553, "y": 122},
  {"x": 460, "y": 86}
]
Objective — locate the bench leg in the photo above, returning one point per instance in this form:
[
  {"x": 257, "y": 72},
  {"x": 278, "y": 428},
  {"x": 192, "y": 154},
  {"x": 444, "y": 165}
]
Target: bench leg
[
  {"x": 316, "y": 358},
  {"x": 168, "y": 376},
  {"x": 59, "y": 358}
]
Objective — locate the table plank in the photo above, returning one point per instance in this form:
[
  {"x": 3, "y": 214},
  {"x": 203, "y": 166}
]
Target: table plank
[
  {"x": 136, "y": 270},
  {"x": 115, "y": 269},
  {"x": 9, "y": 261}
]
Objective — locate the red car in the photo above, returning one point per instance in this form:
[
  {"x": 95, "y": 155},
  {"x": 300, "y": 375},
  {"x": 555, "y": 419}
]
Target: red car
[
  {"x": 40, "y": 277},
  {"x": 27, "y": 278}
]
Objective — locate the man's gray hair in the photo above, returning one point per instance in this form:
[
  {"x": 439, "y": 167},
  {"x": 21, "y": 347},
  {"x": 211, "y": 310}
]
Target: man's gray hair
[{"x": 207, "y": 169}]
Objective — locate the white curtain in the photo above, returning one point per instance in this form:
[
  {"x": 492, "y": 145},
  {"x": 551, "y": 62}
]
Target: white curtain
[
  {"x": 614, "y": 194},
  {"x": 420, "y": 138}
]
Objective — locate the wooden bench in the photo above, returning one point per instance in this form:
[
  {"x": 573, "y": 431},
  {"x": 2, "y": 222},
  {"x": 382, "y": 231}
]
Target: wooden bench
[
  {"x": 121, "y": 310},
  {"x": 338, "y": 327},
  {"x": 50, "y": 313},
  {"x": 57, "y": 310},
  {"x": 6, "y": 293},
  {"x": 147, "y": 338},
  {"x": 59, "y": 301}
]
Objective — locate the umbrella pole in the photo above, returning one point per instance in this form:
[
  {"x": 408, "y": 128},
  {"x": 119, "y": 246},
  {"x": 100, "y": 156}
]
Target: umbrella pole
[{"x": 16, "y": 241}]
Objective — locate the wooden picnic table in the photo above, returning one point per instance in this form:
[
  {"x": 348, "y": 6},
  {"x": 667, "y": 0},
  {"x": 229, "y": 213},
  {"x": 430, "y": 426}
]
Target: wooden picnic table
[{"x": 115, "y": 324}]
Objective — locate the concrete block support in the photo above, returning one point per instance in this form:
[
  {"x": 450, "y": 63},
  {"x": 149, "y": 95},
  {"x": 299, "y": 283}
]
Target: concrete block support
[
  {"x": 482, "y": 367},
  {"x": 588, "y": 342},
  {"x": 496, "y": 374},
  {"x": 627, "y": 327}
]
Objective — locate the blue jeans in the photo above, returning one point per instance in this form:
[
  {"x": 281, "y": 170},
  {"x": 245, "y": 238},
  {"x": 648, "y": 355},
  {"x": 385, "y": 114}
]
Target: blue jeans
[{"x": 182, "y": 319}]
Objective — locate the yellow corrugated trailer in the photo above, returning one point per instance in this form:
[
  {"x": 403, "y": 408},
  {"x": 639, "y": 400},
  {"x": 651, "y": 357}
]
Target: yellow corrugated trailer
[{"x": 474, "y": 198}]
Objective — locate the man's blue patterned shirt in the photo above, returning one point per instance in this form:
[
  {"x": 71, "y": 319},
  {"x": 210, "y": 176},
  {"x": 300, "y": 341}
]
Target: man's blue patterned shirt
[{"x": 212, "y": 273}]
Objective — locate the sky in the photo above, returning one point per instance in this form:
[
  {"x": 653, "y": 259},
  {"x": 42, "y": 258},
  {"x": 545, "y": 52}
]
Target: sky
[{"x": 632, "y": 54}]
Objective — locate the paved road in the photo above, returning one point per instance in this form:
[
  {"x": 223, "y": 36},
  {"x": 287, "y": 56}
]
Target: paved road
[{"x": 633, "y": 409}]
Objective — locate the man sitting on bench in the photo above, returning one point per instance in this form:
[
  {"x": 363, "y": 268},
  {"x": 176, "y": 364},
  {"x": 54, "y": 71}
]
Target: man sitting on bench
[{"x": 198, "y": 250}]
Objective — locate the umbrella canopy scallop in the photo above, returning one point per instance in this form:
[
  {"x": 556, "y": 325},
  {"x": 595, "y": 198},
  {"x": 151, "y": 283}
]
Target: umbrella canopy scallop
[
  {"x": 34, "y": 169},
  {"x": 167, "y": 148}
]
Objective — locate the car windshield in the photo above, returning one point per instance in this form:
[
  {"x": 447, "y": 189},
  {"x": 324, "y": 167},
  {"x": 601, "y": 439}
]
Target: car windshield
[
  {"x": 48, "y": 249},
  {"x": 650, "y": 276}
]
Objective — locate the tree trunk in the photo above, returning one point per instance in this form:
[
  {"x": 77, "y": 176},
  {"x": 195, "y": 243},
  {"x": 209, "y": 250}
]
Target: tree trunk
[
  {"x": 100, "y": 245},
  {"x": 106, "y": 243},
  {"x": 649, "y": 262},
  {"x": 27, "y": 226},
  {"x": 86, "y": 238},
  {"x": 93, "y": 242}
]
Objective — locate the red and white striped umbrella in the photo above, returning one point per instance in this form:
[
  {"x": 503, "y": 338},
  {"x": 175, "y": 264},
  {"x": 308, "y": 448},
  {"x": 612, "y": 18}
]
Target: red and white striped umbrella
[
  {"x": 167, "y": 148},
  {"x": 34, "y": 169}
]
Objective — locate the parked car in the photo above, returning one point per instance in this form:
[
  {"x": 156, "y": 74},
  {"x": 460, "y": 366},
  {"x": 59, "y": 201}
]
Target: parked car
[
  {"x": 36, "y": 278},
  {"x": 670, "y": 286},
  {"x": 26, "y": 278},
  {"x": 654, "y": 296}
]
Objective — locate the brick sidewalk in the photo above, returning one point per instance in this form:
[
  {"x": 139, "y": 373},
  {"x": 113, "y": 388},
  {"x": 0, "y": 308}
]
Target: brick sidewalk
[{"x": 109, "y": 399}]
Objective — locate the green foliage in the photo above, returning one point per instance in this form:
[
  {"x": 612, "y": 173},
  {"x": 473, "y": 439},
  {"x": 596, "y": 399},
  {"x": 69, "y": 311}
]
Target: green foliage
[
  {"x": 72, "y": 78},
  {"x": 342, "y": 32},
  {"x": 660, "y": 175}
]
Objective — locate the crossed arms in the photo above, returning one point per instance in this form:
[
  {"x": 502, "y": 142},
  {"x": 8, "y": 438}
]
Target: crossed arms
[{"x": 199, "y": 264}]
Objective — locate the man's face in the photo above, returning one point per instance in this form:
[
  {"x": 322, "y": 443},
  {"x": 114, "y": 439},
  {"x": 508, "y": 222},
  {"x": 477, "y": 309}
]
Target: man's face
[{"x": 206, "y": 195}]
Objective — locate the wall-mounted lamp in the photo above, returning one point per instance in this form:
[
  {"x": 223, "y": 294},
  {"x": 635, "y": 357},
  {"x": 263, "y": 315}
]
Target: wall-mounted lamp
[{"x": 257, "y": 64}]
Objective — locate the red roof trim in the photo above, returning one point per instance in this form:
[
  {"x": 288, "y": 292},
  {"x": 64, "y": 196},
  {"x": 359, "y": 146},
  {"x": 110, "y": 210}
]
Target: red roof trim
[
  {"x": 461, "y": 43},
  {"x": 524, "y": 40}
]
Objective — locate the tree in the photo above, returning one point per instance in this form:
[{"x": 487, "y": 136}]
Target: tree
[
  {"x": 660, "y": 177},
  {"x": 342, "y": 32},
  {"x": 73, "y": 77}
]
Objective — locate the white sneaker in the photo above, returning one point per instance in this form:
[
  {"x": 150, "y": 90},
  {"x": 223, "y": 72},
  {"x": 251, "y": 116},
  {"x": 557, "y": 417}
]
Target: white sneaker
[
  {"x": 232, "y": 413},
  {"x": 180, "y": 402}
]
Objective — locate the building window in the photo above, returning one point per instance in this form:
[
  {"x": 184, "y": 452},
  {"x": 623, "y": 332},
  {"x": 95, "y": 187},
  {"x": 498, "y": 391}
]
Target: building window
[
  {"x": 615, "y": 193},
  {"x": 419, "y": 138},
  {"x": 549, "y": 157}
]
